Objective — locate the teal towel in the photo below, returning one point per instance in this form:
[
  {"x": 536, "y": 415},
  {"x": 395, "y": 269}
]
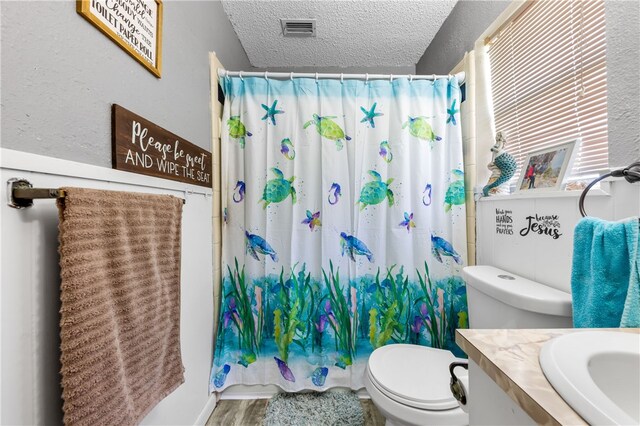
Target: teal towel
[
  {"x": 631, "y": 311},
  {"x": 605, "y": 280}
]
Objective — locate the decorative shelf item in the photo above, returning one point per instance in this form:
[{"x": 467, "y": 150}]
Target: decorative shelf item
[{"x": 503, "y": 166}]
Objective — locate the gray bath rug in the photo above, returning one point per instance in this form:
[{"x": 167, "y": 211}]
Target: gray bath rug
[{"x": 314, "y": 409}]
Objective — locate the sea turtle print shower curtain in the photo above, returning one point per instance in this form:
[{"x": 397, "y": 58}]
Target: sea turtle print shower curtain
[{"x": 344, "y": 227}]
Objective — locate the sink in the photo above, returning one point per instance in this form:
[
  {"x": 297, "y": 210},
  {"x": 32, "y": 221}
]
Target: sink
[{"x": 597, "y": 373}]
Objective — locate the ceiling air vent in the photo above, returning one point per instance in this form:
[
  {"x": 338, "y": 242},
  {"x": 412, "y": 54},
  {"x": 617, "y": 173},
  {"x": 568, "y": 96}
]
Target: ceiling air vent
[{"x": 298, "y": 27}]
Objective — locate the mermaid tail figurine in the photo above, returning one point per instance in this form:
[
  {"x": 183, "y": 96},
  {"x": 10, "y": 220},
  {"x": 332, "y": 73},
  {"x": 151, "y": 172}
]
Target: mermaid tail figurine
[{"x": 503, "y": 165}]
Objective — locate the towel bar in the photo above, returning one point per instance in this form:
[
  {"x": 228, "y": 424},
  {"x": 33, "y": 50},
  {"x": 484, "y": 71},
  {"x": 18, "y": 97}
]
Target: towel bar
[
  {"x": 20, "y": 193},
  {"x": 631, "y": 173}
]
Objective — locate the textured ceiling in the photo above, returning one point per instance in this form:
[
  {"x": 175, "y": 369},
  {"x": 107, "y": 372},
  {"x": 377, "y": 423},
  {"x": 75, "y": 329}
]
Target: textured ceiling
[{"x": 350, "y": 33}]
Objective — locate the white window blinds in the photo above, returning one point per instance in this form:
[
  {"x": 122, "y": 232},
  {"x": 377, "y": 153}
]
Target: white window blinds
[{"x": 548, "y": 80}]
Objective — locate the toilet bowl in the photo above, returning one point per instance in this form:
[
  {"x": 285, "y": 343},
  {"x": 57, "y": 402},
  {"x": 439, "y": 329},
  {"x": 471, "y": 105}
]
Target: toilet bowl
[{"x": 409, "y": 384}]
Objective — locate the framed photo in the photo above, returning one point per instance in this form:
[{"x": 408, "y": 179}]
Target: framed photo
[
  {"x": 545, "y": 169},
  {"x": 134, "y": 25}
]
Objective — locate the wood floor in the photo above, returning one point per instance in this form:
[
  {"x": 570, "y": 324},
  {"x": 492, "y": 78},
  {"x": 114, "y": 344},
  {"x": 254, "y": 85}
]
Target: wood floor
[{"x": 250, "y": 412}]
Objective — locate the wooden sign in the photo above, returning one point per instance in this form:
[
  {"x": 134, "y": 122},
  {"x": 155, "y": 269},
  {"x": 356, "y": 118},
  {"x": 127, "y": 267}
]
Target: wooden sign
[
  {"x": 139, "y": 146},
  {"x": 134, "y": 25}
]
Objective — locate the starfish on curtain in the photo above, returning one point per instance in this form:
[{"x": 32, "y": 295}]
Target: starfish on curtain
[
  {"x": 452, "y": 113},
  {"x": 271, "y": 112},
  {"x": 370, "y": 115}
]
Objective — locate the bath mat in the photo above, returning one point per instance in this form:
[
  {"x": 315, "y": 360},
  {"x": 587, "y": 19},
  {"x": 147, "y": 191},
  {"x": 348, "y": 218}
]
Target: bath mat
[
  {"x": 120, "y": 311},
  {"x": 314, "y": 408}
]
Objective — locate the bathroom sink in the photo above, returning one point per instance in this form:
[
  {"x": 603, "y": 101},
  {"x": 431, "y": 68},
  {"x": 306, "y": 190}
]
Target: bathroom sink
[{"x": 597, "y": 373}]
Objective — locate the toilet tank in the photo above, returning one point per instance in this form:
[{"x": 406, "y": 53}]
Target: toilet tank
[{"x": 500, "y": 299}]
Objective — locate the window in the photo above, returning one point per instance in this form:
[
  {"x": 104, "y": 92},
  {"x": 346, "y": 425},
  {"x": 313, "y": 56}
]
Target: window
[{"x": 548, "y": 81}]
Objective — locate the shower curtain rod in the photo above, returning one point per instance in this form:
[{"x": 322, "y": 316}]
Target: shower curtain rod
[{"x": 282, "y": 75}]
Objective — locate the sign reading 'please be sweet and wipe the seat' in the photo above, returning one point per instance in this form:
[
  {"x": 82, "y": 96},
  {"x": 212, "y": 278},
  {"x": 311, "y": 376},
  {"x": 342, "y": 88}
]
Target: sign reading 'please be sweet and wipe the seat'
[{"x": 139, "y": 146}]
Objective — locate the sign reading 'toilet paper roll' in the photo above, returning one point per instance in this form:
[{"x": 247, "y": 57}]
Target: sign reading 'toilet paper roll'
[
  {"x": 135, "y": 25},
  {"x": 139, "y": 146}
]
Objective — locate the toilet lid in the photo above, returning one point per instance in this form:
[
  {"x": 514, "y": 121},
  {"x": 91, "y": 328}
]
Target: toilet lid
[{"x": 413, "y": 375}]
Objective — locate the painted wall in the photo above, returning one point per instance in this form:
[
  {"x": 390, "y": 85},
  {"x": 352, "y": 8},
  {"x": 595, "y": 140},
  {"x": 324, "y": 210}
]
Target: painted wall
[
  {"x": 467, "y": 21},
  {"x": 59, "y": 75},
  {"x": 623, "y": 65}
]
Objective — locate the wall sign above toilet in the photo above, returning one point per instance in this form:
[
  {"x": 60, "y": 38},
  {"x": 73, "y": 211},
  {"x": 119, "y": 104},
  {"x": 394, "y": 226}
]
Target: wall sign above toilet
[
  {"x": 134, "y": 25},
  {"x": 504, "y": 221},
  {"x": 139, "y": 146},
  {"x": 543, "y": 225}
]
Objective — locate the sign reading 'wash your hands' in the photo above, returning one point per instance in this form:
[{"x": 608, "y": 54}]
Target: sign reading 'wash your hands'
[{"x": 139, "y": 146}]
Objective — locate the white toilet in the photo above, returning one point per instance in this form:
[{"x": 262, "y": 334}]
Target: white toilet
[{"x": 409, "y": 384}]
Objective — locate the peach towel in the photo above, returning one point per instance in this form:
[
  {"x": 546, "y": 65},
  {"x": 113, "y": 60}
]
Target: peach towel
[{"x": 120, "y": 312}]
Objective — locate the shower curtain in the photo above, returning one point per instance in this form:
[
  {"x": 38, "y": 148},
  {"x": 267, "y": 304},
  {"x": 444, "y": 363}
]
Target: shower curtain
[{"x": 343, "y": 227}]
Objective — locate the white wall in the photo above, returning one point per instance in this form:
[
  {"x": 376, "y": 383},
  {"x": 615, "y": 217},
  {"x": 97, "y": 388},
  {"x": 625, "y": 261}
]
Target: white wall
[
  {"x": 540, "y": 257},
  {"x": 29, "y": 292}
]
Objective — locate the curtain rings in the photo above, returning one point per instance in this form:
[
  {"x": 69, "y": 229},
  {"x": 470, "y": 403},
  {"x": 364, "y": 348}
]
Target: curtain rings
[
  {"x": 390, "y": 78},
  {"x": 410, "y": 78},
  {"x": 316, "y": 78},
  {"x": 266, "y": 75},
  {"x": 291, "y": 76},
  {"x": 241, "y": 77},
  {"x": 341, "y": 78},
  {"x": 366, "y": 78},
  {"x": 433, "y": 79}
]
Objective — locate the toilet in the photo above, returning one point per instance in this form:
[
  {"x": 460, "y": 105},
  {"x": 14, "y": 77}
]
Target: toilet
[{"x": 409, "y": 384}]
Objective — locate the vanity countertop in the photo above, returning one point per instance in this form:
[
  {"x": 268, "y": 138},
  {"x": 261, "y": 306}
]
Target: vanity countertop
[{"x": 510, "y": 358}]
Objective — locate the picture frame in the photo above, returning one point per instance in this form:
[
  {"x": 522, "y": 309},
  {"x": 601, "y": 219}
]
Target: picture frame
[
  {"x": 134, "y": 25},
  {"x": 545, "y": 169}
]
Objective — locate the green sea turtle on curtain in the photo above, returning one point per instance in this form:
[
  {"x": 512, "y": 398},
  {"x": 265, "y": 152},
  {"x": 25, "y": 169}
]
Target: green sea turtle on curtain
[
  {"x": 237, "y": 130},
  {"x": 368, "y": 252},
  {"x": 329, "y": 129},
  {"x": 455, "y": 192},
  {"x": 420, "y": 128},
  {"x": 278, "y": 189},
  {"x": 376, "y": 191}
]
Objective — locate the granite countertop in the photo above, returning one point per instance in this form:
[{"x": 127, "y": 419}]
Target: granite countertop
[{"x": 510, "y": 358}]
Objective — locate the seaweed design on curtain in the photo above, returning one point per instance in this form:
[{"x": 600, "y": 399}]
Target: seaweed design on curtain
[{"x": 330, "y": 250}]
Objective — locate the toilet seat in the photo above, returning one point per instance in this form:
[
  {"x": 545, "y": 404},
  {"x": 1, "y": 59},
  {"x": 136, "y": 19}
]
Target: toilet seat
[{"x": 412, "y": 375}]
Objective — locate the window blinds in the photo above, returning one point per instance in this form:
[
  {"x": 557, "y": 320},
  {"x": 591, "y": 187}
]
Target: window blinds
[{"x": 548, "y": 81}]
